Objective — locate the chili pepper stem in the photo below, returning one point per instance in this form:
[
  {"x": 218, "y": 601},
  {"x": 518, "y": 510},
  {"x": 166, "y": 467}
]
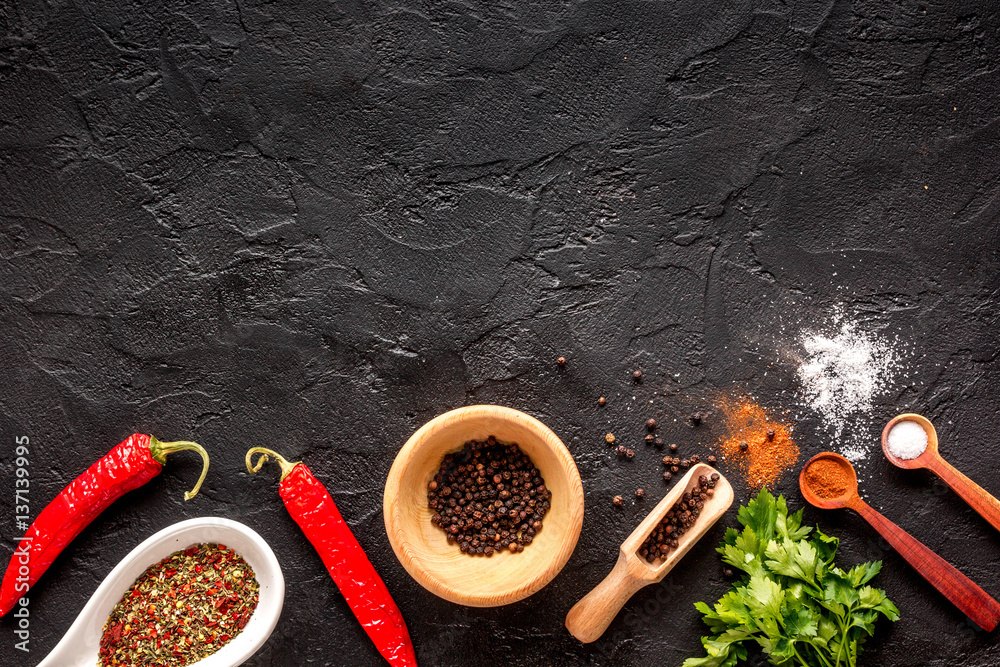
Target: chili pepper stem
[
  {"x": 286, "y": 465},
  {"x": 159, "y": 450}
]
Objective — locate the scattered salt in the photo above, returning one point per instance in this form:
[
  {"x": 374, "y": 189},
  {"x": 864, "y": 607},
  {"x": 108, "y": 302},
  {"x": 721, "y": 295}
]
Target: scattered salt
[
  {"x": 841, "y": 375},
  {"x": 907, "y": 440}
]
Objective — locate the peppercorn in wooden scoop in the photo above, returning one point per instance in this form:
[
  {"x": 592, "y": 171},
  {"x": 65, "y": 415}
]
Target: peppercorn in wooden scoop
[
  {"x": 828, "y": 481},
  {"x": 592, "y": 615},
  {"x": 978, "y": 498}
]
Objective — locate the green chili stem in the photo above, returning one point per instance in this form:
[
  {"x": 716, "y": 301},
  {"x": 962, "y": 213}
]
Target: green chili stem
[
  {"x": 286, "y": 466},
  {"x": 159, "y": 450}
]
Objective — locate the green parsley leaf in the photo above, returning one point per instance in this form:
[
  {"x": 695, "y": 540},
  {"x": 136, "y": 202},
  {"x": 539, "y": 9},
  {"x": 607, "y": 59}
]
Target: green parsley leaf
[{"x": 793, "y": 603}]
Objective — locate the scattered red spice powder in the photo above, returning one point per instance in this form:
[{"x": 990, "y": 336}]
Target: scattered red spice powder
[{"x": 768, "y": 450}]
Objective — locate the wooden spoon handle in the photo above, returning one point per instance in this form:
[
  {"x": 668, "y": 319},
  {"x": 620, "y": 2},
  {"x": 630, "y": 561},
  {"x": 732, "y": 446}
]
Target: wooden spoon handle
[
  {"x": 591, "y": 616},
  {"x": 977, "y": 497},
  {"x": 972, "y": 600}
]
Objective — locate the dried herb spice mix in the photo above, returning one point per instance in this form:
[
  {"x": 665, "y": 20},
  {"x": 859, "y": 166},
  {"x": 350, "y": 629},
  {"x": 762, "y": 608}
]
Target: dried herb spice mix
[
  {"x": 488, "y": 497},
  {"x": 182, "y": 609}
]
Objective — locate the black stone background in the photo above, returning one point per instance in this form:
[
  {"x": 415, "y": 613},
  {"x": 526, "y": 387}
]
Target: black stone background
[{"x": 317, "y": 225}]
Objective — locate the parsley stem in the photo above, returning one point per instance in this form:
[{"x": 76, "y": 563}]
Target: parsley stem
[{"x": 819, "y": 654}]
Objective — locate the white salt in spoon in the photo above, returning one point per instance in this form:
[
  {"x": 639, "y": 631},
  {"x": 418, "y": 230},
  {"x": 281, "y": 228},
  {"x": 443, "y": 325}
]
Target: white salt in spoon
[
  {"x": 80, "y": 645},
  {"x": 929, "y": 459}
]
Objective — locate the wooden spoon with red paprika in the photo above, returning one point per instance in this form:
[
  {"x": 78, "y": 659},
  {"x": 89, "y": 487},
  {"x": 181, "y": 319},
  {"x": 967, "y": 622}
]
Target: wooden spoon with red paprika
[{"x": 828, "y": 481}]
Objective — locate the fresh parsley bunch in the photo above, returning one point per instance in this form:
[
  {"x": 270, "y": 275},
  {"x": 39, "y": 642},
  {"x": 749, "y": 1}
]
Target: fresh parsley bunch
[{"x": 792, "y": 599}]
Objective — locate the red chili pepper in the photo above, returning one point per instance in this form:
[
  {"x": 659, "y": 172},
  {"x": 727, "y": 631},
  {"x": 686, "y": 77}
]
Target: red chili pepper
[
  {"x": 309, "y": 503},
  {"x": 132, "y": 463}
]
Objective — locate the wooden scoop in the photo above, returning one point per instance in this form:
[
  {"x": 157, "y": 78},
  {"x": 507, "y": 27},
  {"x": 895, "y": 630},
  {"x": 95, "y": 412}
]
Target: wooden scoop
[
  {"x": 981, "y": 501},
  {"x": 972, "y": 600},
  {"x": 591, "y": 616}
]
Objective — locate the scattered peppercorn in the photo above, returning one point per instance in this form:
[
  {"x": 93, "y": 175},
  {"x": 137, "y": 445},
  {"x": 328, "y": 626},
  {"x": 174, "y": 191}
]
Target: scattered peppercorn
[
  {"x": 685, "y": 463},
  {"x": 667, "y": 476},
  {"x": 770, "y": 434},
  {"x": 636, "y": 375},
  {"x": 561, "y": 361},
  {"x": 743, "y": 445},
  {"x": 711, "y": 459},
  {"x": 696, "y": 418},
  {"x": 639, "y": 493},
  {"x": 651, "y": 424},
  {"x": 695, "y": 458},
  {"x": 602, "y": 401},
  {"x": 727, "y": 572},
  {"x": 673, "y": 446},
  {"x": 630, "y": 453},
  {"x": 677, "y": 521},
  {"x": 668, "y": 461},
  {"x": 650, "y": 439},
  {"x": 489, "y": 496},
  {"x": 617, "y": 500},
  {"x": 609, "y": 438},
  {"x": 621, "y": 450},
  {"x": 658, "y": 442}
]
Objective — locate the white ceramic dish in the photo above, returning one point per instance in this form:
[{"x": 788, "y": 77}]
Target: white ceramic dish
[{"x": 79, "y": 646}]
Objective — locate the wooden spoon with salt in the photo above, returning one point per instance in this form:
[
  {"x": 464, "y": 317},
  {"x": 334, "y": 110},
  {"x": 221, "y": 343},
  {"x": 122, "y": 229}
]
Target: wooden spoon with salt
[
  {"x": 972, "y": 600},
  {"x": 977, "y": 497}
]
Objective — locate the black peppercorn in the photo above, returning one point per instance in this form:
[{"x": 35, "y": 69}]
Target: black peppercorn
[
  {"x": 770, "y": 434},
  {"x": 696, "y": 418},
  {"x": 639, "y": 493},
  {"x": 482, "y": 493},
  {"x": 711, "y": 459},
  {"x": 636, "y": 375},
  {"x": 743, "y": 445},
  {"x": 630, "y": 453},
  {"x": 677, "y": 520},
  {"x": 651, "y": 424},
  {"x": 617, "y": 500},
  {"x": 650, "y": 439},
  {"x": 658, "y": 442},
  {"x": 602, "y": 401},
  {"x": 561, "y": 361},
  {"x": 621, "y": 450}
]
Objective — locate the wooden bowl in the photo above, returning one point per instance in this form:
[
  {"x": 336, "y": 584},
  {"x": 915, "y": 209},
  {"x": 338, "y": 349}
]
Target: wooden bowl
[{"x": 441, "y": 567}]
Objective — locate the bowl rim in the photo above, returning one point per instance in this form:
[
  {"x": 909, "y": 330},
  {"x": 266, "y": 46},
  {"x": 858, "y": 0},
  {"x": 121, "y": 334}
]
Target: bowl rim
[{"x": 412, "y": 563}]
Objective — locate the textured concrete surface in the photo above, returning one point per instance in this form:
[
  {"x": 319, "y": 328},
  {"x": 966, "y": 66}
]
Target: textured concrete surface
[{"x": 316, "y": 225}]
